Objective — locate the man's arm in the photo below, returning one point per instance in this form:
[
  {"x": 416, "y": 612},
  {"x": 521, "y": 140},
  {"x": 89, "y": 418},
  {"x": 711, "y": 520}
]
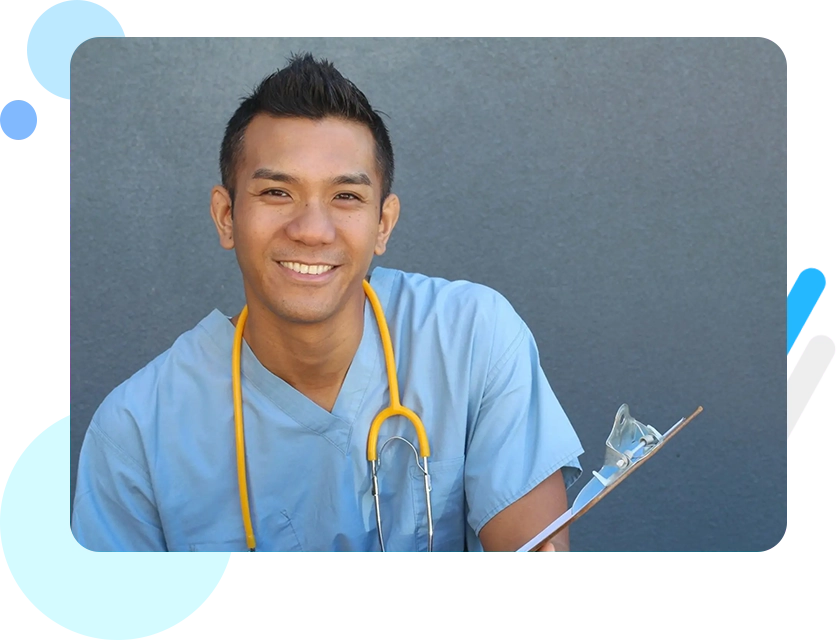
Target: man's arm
[
  {"x": 523, "y": 452},
  {"x": 515, "y": 525}
]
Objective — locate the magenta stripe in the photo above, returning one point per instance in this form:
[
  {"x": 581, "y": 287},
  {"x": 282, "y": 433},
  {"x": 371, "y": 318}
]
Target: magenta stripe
[
  {"x": 810, "y": 155},
  {"x": 8, "y": 171},
  {"x": 811, "y": 139},
  {"x": 29, "y": 331},
  {"x": 31, "y": 355},
  {"x": 32, "y": 292}
]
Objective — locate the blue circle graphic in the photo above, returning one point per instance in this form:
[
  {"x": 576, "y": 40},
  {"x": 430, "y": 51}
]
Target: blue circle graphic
[
  {"x": 56, "y": 35},
  {"x": 18, "y": 119}
]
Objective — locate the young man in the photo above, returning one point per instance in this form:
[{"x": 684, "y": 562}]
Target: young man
[{"x": 307, "y": 168}]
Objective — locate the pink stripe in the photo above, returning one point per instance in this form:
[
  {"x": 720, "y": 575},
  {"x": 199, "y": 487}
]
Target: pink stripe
[
  {"x": 31, "y": 300},
  {"x": 6, "y": 171},
  {"x": 811, "y": 155},
  {"x": 31, "y": 219},
  {"x": 811, "y": 124},
  {"x": 32, "y": 343},
  {"x": 35, "y": 324},
  {"x": 803, "y": 35},
  {"x": 31, "y": 364},
  {"x": 32, "y": 292}
]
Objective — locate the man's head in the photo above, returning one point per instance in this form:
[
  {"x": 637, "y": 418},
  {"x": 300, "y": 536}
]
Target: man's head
[
  {"x": 312, "y": 89},
  {"x": 305, "y": 202}
]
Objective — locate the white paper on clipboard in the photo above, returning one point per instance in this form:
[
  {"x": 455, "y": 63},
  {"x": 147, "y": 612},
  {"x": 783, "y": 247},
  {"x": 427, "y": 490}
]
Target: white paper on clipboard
[{"x": 628, "y": 446}]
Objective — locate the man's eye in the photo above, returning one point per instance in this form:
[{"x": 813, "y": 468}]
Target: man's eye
[
  {"x": 275, "y": 192},
  {"x": 346, "y": 196}
]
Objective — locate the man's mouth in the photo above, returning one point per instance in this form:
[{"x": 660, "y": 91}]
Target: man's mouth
[{"x": 312, "y": 269}]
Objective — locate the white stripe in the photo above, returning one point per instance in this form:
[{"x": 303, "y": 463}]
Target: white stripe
[
  {"x": 811, "y": 232},
  {"x": 812, "y": 147},
  {"x": 805, "y": 200},
  {"x": 811, "y": 96},
  {"x": 31, "y": 248},
  {"x": 51, "y": 196},
  {"x": 11, "y": 56},
  {"x": 22, "y": 7},
  {"x": 811, "y": 79},
  {"x": 39, "y": 144},
  {"x": 811, "y": 247},
  {"x": 31, "y": 208},
  {"x": 811, "y": 180},
  {"x": 30, "y": 160},
  {"x": 800, "y": 131},
  {"x": 809, "y": 47},
  {"x": 28, "y": 263}
]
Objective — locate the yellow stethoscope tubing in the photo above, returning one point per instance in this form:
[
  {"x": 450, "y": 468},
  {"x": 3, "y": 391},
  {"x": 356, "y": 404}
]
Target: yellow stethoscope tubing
[
  {"x": 395, "y": 408},
  {"x": 238, "y": 413}
]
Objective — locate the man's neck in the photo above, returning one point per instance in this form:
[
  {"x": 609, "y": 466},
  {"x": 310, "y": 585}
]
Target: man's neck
[{"x": 312, "y": 358}]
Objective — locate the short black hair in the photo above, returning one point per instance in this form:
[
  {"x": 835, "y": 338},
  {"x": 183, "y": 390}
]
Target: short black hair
[{"x": 306, "y": 88}]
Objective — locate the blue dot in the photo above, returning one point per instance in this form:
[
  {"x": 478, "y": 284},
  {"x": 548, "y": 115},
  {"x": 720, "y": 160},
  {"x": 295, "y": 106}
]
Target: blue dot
[
  {"x": 56, "y": 35},
  {"x": 18, "y": 119}
]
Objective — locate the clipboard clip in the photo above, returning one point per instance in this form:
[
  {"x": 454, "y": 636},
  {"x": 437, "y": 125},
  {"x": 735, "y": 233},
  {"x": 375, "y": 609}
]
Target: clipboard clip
[{"x": 628, "y": 443}]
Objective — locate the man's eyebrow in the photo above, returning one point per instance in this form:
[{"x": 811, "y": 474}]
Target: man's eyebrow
[
  {"x": 353, "y": 178},
  {"x": 275, "y": 176}
]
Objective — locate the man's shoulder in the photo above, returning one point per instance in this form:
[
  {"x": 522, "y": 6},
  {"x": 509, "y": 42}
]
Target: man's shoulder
[
  {"x": 194, "y": 353},
  {"x": 468, "y": 307}
]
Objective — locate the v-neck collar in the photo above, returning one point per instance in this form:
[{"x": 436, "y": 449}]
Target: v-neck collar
[{"x": 336, "y": 425}]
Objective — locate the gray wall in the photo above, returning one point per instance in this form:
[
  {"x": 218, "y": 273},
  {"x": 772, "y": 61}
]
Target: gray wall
[{"x": 627, "y": 196}]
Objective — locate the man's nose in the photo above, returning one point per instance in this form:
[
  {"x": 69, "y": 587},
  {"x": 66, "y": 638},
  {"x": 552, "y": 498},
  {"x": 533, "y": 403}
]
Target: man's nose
[{"x": 312, "y": 224}]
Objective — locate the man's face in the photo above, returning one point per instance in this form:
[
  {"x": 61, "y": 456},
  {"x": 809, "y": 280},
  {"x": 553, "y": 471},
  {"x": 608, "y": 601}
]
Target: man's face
[{"x": 307, "y": 216}]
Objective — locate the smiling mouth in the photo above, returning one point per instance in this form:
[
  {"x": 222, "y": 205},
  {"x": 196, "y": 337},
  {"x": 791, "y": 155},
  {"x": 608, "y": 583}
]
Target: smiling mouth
[{"x": 311, "y": 269}]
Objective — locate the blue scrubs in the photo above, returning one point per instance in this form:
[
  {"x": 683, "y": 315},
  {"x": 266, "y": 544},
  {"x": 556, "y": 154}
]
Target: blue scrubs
[{"x": 157, "y": 469}]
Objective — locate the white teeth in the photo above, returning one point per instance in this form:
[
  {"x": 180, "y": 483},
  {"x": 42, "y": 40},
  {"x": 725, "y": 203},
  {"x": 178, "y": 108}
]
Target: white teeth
[{"x": 314, "y": 269}]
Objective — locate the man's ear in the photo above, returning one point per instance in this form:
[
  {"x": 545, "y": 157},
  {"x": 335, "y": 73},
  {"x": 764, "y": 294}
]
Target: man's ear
[
  {"x": 390, "y": 211},
  {"x": 220, "y": 208}
]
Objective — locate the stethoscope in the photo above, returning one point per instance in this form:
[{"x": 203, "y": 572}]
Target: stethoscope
[{"x": 395, "y": 408}]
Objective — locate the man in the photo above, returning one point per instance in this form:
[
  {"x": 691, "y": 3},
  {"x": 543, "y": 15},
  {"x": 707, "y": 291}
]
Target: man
[{"x": 306, "y": 203}]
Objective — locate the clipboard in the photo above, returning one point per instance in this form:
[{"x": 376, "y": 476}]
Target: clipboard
[{"x": 629, "y": 445}]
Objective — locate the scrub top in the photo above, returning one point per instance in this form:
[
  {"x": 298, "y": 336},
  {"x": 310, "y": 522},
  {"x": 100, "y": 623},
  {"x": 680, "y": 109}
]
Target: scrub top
[{"x": 158, "y": 472}]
